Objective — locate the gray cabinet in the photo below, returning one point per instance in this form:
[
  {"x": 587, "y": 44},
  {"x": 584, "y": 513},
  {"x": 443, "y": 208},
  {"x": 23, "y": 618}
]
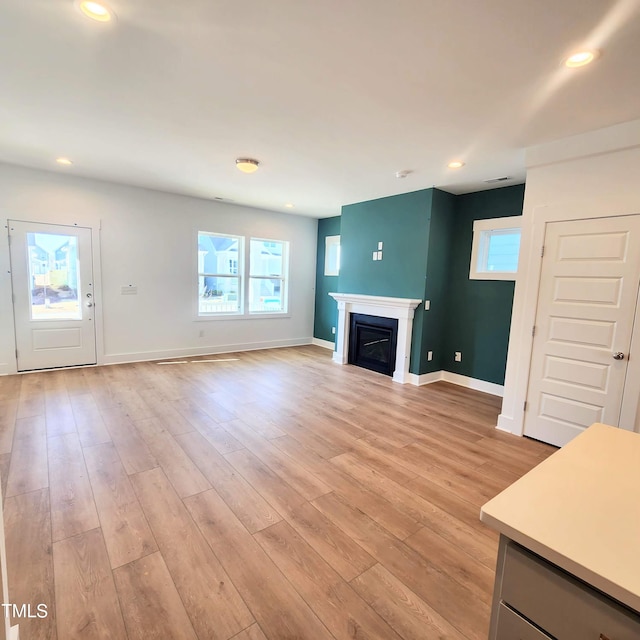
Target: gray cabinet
[{"x": 535, "y": 600}]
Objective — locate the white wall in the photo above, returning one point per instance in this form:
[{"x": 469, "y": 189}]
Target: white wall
[
  {"x": 148, "y": 239},
  {"x": 593, "y": 175}
]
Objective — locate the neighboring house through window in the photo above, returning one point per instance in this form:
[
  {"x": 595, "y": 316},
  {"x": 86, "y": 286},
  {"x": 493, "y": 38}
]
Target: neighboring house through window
[
  {"x": 222, "y": 265},
  {"x": 495, "y": 249}
]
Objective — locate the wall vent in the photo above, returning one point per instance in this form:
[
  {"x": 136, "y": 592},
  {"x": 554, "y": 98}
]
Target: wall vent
[{"x": 494, "y": 180}]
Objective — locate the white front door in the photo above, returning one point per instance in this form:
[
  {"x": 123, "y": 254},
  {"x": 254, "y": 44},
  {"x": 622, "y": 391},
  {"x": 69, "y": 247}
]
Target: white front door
[
  {"x": 53, "y": 299},
  {"x": 584, "y": 324}
]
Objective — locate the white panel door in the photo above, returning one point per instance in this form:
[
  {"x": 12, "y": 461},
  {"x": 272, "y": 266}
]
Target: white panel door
[
  {"x": 584, "y": 324},
  {"x": 53, "y": 300}
]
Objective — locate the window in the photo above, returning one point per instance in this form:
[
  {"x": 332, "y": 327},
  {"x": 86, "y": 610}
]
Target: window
[
  {"x": 267, "y": 269},
  {"x": 220, "y": 284},
  {"x": 332, "y": 256},
  {"x": 495, "y": 249},
  {"x": 224, "y": 290}
]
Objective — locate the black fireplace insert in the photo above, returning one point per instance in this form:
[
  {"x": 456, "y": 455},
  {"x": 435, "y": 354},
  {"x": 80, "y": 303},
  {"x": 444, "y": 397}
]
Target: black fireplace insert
[{"x": 372, "y": 342}]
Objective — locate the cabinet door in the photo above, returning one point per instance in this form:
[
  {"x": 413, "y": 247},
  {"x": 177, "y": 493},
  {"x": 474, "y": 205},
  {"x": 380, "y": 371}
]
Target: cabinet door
[
  {"x": 511, "y": 626},
  {"x": 564, "y": 607}
]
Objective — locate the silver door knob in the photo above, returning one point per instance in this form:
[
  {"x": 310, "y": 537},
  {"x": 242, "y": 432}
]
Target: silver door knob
[
  {"x": 90, "y": 304},
  {"x": 618, "y": 355}
]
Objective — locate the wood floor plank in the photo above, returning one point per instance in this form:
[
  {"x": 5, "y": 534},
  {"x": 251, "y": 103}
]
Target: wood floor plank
[
  {"x": 126, "y": 532},
  {"x": 183, "y": 474},
  {"x": 333, "y": 601},
  {"x": 281, "y": 496},
  {"x": 163, "y": 410},
  {"x": 211, "y": 599},
  {"x": 403, "y": 610},
  {"x": 468, "y": 571},
  {"x": 58, "y": 412},
  {"x": 435, "y": 587},
  {"x": 87, "y": 604},
  {"x": 150, "y": 603},
  {"x": 302, "y": 480},
  {"x": 277, "y": 606},
  {"x": 254, "y": 632},
  {"x": 132, "y": 449},
  {"x": 73, "y": 509},
  {"x": 339, "y": 550},
  {"x": 8, "y": 414},
  {"x": 30, "y": 561},
  {"x": 222, "y": 440},
  {"x": 245, "y": 502},
  {"x": 29, "y": 468},
  {"x": 89, "y": 423},
  {"x": 31, "y": 398},
  {"x": 443, "y": 523}
]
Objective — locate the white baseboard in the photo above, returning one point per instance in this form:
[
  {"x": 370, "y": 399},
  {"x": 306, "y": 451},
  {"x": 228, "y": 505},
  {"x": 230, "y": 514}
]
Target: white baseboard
[
  {"x": 324, "y": 343},
  {"x": 123, "y": 358},
  {"x": 425, "y": 378},
  {"x": 509, "y": 425},
  {"x": 474, "y": 383},
  {"x": 456, "y": 378}
]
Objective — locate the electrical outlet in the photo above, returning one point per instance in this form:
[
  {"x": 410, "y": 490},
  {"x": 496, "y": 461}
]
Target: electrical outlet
[
  {"x": 333, "y": 330},
  {"x": 427, "y": 305},
  {"x": 458, "y": 356},
  {"x": 429, "y": 355}
]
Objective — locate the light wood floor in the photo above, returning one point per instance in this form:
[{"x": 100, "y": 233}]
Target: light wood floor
[{"x": 274, "y": 495}]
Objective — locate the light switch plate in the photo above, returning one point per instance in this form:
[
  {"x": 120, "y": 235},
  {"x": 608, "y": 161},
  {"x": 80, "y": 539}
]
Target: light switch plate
[
  {"x": 379, "y": 255},
  {"x": 427, "y": 304},
  {"x": 379, "y": 246},
  {"x": 375, "y": 255},
  {"x": 129, "y": 291}
]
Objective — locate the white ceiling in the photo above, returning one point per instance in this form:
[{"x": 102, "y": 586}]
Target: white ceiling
[{"x": 332, "y": 96}]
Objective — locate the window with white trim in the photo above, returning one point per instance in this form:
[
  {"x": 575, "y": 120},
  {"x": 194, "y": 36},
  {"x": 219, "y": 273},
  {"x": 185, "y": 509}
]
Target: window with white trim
[
  {"x": 332, "y": 256},
  {"x": 235, "y": 282},
  {"x": 268, "y": 270},
  {"x": 495, "y": 249},
  {"x": 220, "y": 284}
]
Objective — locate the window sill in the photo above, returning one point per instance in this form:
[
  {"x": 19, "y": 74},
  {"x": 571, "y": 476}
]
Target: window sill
[
  {"x": 493, "y": 275},
  {"x": 241, "y": 316}
]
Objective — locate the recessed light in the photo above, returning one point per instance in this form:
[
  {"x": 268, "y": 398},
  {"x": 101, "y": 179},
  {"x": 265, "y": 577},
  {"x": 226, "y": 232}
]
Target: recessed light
[
  {"x": 247, "y": 165},
  {"x": 98, "y": 11},
  {"x": 581, "y": 58},
  {"x": 289, "y": 205},
  {"x": 65, "y": 161},
  {"x": 455, "y": 164}
]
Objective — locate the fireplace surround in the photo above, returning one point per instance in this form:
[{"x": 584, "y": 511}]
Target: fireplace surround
[{"x": 402, "y": 309}]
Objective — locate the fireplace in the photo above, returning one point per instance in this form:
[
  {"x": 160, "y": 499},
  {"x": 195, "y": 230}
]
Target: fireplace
[
  {"x": 373, "y": 342},
  {"x": 400, "y": 309}
]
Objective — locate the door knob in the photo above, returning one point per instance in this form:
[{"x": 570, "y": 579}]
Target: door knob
[
  {"x": 618, "y": 355},
  {"x": 90, "y": 304}
]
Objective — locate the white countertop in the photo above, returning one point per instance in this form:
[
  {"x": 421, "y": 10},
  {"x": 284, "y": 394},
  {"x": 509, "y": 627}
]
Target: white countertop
[{"x": 580, "y": 509}]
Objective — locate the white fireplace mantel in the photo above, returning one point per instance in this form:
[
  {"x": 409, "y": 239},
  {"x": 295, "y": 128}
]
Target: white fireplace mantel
[{"x": 401, "y": 309}]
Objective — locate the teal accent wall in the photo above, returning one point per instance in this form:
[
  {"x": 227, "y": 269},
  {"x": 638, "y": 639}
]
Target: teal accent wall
[
  {"x": 437, "y": 284},
  {"x": 479, "y": 311},
  {"x": 402, "y": 224},
  {"x": 427, "y": 238},
  {"x": 326, "y": 313}
]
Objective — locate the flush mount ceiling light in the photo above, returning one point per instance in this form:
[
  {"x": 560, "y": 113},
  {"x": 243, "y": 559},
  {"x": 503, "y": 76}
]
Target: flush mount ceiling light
[
  {"x": 404, "y": 173},
  {"x": 98, "y": 11},
  {"x": 455, "y": 164},
  {"x": 581, "y": 58},
  {"x": 64, "y": 161},
  {"x": 289, "y": 205},
  {"x": 247, "y": 165}
]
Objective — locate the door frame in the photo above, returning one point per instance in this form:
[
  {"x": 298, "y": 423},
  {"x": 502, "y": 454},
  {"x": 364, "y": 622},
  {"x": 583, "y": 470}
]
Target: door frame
[
  {"x": 6, "y": 292},
  {"x": 525, "y": 306}
]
